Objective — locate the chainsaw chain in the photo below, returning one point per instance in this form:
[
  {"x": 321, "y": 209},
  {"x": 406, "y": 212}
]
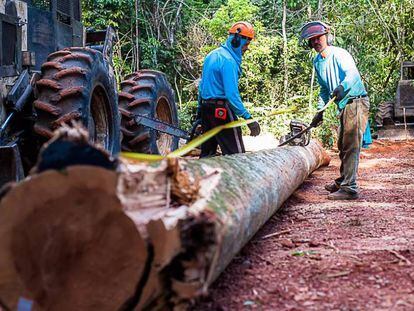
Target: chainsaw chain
[{"x": 155, "y": 120}]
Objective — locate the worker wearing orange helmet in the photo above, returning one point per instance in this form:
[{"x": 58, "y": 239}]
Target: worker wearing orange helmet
[{"x": 219, "y": 97}]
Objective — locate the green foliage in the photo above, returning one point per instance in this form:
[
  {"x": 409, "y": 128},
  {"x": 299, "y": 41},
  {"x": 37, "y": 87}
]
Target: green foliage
[
  {"x": 227, "y": 15},
  {"x": 187, "y": 114},
  {"x": 99, "y": 14},
  {"x": 174, "y": 36},
  {"x": 327, "y": 132}
]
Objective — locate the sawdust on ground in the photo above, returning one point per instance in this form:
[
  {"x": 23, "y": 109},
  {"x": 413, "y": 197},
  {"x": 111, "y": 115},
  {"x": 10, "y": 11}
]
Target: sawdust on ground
[{"x": 355, "y": 255}]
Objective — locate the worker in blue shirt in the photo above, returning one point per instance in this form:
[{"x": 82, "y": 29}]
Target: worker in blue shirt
[
  {"x": 219, "y": 97},
  {"x": 338, "y": 77}
]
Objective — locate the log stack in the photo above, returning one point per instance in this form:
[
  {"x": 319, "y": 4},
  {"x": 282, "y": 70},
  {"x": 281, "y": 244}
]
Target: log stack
[{"x": 142, "y": 236}]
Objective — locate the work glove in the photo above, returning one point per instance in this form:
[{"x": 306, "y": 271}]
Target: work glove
[
  {"x": 317, "y": 119},
  {"x": 254, "y": 128},
  {"x": 338, "y": 93}
]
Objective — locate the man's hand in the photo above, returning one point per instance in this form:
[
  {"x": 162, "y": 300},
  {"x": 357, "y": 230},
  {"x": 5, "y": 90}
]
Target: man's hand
[
  {"x": 338, "y": 93},
  {"x": 317, "y": 119},
  {"x": 254, "y": 128}
]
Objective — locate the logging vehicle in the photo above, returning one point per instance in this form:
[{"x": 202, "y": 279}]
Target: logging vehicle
[
  {"x": 395, "y": 119},
  {"x": 53, "y": 72}
]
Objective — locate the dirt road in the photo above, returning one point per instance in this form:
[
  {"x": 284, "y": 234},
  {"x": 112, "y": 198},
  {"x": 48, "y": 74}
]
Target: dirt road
[{"x": 356, "y": 255}]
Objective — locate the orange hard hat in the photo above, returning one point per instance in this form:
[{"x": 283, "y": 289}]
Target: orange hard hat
[{"x": 244, "y": 29}]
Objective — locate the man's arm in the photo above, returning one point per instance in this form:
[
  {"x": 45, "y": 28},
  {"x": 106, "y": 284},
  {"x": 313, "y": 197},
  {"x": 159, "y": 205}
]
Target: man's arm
[
  {"x": 323, "y": 93},
  {"x": 231, "y": 89},
  {"x": 347, "y": 64}
]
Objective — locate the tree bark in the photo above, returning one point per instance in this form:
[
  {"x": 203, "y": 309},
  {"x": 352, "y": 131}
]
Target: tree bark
[
  {"x": 285, "y": 54},
  {"x": 320, "y": 9},
  {"x": 137, "y": 56},
  {"x": 320, "y": 12},
  {"x": 87, "y": 238}
]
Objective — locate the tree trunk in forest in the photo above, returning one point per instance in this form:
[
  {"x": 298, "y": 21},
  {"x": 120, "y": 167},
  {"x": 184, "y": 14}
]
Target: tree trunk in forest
[
  {"x": 285, "y": 55},
  {"x": 136, "y": 35},
  {"x": 311, "y": 87},
  {"x": 320, "y": 9},
  {"x": 320, "y": 12},
  {"x": 87, "y": 238}
]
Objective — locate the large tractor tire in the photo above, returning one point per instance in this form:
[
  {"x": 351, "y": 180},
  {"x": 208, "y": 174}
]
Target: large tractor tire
[
  {"x": 385, "y": 114},
  {"x": 78, "y": 84},
  {"x": 147, "y": 92}
]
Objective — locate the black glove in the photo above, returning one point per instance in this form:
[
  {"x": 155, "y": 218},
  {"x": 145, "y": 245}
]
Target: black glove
[
  {"x": 317, "y": 119},
  {"x": 254, "y": 128},
  {"x": 338, "y": 93}
]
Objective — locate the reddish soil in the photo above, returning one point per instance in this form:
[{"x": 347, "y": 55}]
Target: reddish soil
[{"x": 355, "y": 255}]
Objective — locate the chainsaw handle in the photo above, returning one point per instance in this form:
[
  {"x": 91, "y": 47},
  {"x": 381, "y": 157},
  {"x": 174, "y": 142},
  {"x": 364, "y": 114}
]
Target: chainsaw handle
[
  {"x": 194, "y": 129},
  {"x": 295, "y": 136},
  {"x": 310, "y": 126}
]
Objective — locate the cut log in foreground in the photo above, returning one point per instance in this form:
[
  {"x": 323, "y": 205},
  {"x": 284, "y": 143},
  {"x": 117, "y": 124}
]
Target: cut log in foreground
[{"x": 88, "y": 238}]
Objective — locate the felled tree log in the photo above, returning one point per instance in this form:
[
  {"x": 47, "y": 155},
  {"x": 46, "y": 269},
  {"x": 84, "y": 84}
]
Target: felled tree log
[
  {"x": 239, "y": 195},
  {"x": 65, "y": 243},
  {"x": 68, "y": 242},
  {"x": 87, "y": 238}
]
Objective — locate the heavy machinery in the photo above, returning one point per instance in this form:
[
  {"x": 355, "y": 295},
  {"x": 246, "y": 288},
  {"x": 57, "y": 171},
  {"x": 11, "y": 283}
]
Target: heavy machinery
[
  {"x": 395, "y": 119},
  {"x": 52, "y": 72}
]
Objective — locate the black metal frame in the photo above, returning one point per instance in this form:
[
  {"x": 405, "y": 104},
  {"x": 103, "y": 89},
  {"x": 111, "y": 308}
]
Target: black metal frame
[
  {"x": 56, "y": 5},
  {"x": 404, "y": 104},
  {"x": 404, "y": 69},
  {"x": 48, "y": 31},
  {"x": 102, "y": 41},
  {"x": 11, "y": 69},
  {"x": 52, "y": 30}
]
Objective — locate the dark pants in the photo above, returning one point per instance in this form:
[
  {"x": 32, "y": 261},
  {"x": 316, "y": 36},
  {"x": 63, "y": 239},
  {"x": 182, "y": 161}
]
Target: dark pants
[
  {"x": 353, "y": 122},
  {"x": 229, "y": 140}
]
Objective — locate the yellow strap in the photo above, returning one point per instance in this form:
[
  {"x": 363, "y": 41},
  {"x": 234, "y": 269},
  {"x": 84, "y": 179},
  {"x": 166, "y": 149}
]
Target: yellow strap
[
  {"x": 200, "y": 139},
  {"x": 327, "y": 104}
]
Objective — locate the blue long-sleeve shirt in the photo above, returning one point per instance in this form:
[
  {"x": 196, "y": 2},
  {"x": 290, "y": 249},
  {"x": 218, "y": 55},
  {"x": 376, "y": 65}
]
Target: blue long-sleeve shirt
[
  {"x": 220, "y": 76},
  {"x": 337, "y": 68}
]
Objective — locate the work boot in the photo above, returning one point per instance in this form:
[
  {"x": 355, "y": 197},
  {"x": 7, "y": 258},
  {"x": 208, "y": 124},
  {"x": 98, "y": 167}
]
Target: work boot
[
  {"x": 332, "y": 187},
  {"x": 342, "y": 195}
]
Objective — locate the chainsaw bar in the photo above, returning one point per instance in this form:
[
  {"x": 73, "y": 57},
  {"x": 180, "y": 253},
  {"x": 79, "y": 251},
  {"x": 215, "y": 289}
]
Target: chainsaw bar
[{"x": 160, "y": 126}]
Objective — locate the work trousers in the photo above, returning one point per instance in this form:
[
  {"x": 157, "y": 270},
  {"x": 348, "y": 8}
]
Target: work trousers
[
  {"x": 229, "y": 140},
  {"x": 353, "y": 122}
]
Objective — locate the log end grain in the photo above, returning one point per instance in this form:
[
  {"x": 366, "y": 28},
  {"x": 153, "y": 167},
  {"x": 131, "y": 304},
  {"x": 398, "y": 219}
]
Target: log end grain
[{"x": 67, "y": 245}]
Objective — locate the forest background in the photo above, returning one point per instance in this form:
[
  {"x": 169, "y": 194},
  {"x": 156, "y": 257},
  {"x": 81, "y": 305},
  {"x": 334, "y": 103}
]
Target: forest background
[{"x": 174, "y": 36}]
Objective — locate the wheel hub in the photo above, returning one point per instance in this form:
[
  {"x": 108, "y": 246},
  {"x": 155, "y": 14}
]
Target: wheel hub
[
  {"x": 163, "y": 113},
  {"x": 99, "y": 123}
]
